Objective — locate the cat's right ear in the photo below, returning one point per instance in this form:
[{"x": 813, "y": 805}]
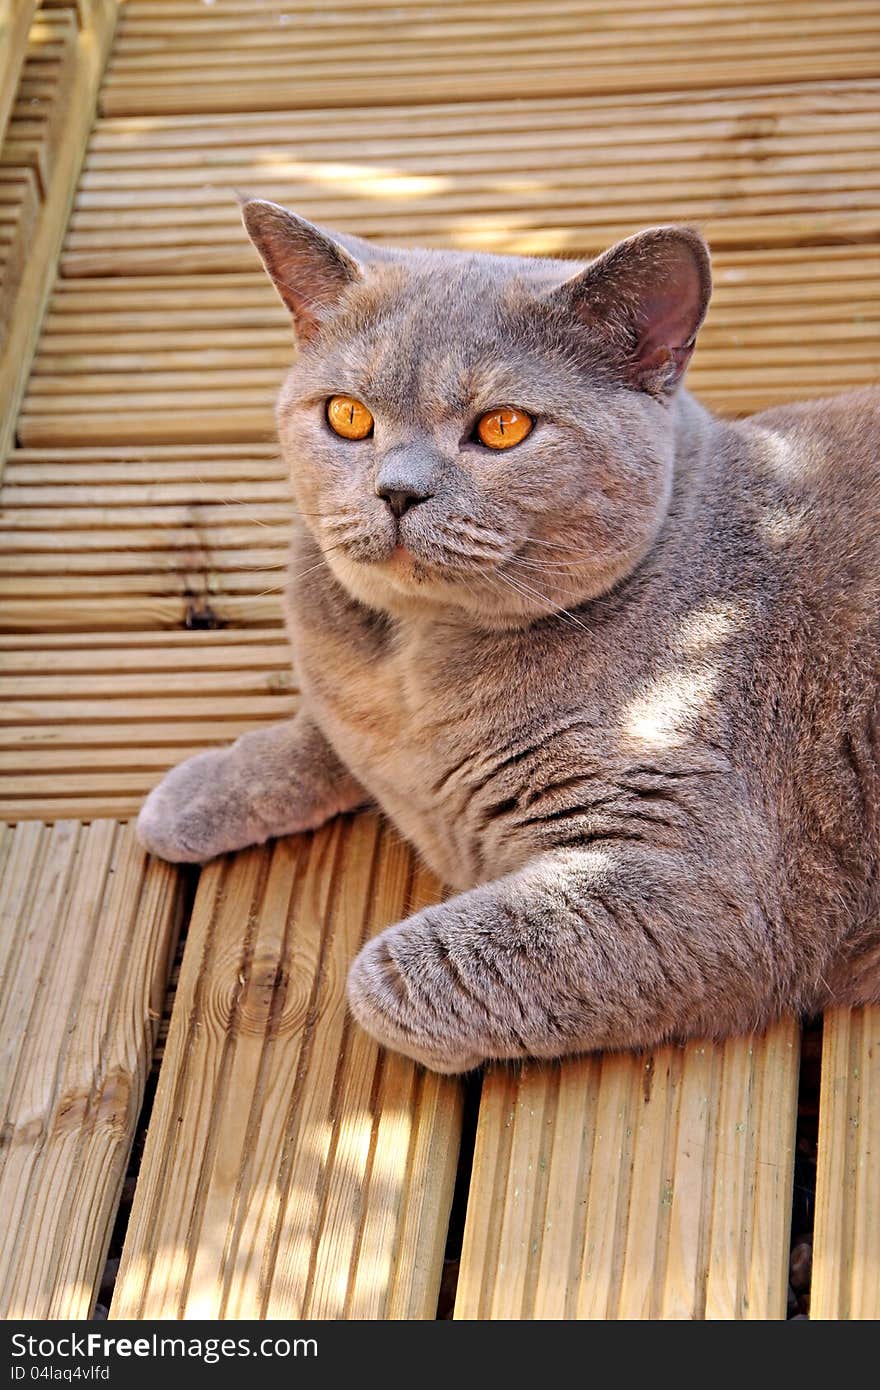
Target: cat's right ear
[
  {"x": 308, "y": 268},
  {"x": 645, "y": 300}
]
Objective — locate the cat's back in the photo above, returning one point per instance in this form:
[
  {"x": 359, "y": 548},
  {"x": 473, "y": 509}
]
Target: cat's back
[
  {"x": 825, "y": 454},
  {"x": 810, "y": 484}
]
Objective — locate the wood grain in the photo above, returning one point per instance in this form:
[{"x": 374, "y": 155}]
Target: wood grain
[
  {"x": 635, "y": 1187},
  {"x": 846, "y": 1245},
  {"x": 755, "y": 167},
  {"x": 292, "y": 1169},
  {"x": 89, "y": 728},
  {"x": 86, "y": 935},
  {"x": 367, "y": 56}
]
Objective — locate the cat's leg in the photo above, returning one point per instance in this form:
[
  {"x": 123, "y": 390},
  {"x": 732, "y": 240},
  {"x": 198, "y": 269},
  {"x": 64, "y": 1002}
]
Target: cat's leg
[
  {"x": 581, "y": 949},
  {"x": 273, "y": 781}
]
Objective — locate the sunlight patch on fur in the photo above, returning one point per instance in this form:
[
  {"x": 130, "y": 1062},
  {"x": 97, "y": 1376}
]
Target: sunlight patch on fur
[
  {"x": 710, "y": 625},
  {"x": 661, "y": 716}
]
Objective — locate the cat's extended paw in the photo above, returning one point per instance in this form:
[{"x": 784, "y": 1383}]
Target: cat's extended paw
[
  {"x": 195, "y": 813},
  {"x": 402, "y": 992}
]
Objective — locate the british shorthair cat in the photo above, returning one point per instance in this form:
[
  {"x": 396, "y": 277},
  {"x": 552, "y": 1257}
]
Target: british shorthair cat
[{"x": 608, "y": 662}]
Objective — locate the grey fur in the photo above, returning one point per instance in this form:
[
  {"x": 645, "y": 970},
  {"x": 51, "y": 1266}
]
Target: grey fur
[{"x": 619, "y": 686}]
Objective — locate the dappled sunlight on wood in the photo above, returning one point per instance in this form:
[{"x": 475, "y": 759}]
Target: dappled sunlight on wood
[
  {"x": 363, "y": 180},
  {"x": 308, "y": 1147},
  {"x": 635, "y": 1186}
]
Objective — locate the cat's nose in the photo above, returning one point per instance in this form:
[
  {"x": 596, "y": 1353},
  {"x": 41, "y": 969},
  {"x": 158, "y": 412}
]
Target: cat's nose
[{"x": 400, "y": 499}]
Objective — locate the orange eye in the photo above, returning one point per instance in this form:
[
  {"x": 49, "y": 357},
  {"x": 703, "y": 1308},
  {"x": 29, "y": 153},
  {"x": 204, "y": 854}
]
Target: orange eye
[
  {"x": 502, "y": 428},
  {"x": 349, "y": 417}
]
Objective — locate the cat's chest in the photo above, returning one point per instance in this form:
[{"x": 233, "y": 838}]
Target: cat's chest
[
  {"x": 388, "y": 710},
  {"x": 410, "y": 718}
]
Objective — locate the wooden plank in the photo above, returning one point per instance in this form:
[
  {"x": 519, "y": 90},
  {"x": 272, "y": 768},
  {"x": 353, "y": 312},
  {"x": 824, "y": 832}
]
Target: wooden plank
[
  {"x": 148, "y": 659},
  {"x": 291, "y": 1169},
  {"x": 169, "y": 63},
  {"x": 761, "y": 165},
  {"x": 86, "y": 938},
  {"x": 91, "y": 722},
  {"x": 18, "y": 219},
  {"x": 191, "y": 608},
  {"x": 49, "y": 642},
  {"x": 635, "y": 1186},
  {"x": 846, "y": 1241}
]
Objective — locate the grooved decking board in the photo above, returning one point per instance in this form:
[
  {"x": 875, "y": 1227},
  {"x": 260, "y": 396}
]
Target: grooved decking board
[
  {"x": 291, "y": 1169},
  {"x": 29, "y": 149},
  {"x": 235, "y": 57},
  {"x": 91, "y": 721},
  {"x": 141, "y": 537},
  {"x": 86, "y": 935},
  {"x": 846, "y": 1245},
  {"x": 755, "y": 167},
  {"x": 635, "y": 1187}
]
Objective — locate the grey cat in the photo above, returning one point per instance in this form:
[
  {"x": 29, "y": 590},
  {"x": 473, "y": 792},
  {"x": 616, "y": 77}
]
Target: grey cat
[{"x": 608, "y": 662}]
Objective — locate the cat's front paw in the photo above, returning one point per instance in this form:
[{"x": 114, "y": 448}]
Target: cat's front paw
[
  {"x": 402, "y": 992},
  {"x": 194, "y": 814}
]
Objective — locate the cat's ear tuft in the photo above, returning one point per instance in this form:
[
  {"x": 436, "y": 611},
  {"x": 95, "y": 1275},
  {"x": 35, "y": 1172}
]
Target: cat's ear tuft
[
  {"x": 647, "y": 297},
  {"x": 308, "y": 268}
]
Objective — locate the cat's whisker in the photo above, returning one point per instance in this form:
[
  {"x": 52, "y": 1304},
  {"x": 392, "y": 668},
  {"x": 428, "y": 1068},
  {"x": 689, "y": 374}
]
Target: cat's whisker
[
  {"x": 473, "y": 556},
  {"x": 459, "y": 526},
  {"x": 526, "y": 591},
  {"x": 553, "y": 545},
  {"x": 325, "y": 550},
  {"x": 264, "y": 593},
  {"x": 236, "y": 502},
  {"x": 543, "y": 566}
]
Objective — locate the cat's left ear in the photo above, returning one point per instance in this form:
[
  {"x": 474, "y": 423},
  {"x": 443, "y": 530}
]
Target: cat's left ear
[{"x": 647, "y": 298}]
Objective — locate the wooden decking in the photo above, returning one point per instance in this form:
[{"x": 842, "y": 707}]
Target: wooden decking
[{"x": 291, "y": 1169}]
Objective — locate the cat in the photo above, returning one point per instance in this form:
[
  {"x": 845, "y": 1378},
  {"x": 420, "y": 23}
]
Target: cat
[{"x": 609, "y": 662}]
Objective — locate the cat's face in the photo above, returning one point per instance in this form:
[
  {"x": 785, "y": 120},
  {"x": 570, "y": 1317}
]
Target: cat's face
[{"x": 412, "y": 485}]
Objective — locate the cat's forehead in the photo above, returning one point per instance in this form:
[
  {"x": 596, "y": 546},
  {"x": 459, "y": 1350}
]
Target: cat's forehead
[{"x": 438, "y": 327}]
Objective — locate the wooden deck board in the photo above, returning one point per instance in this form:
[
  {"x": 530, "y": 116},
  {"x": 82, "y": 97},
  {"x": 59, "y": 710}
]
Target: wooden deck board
[
  {"x": 755, "y": 167},
  {"x": 368, "y": 55},
  {"x": 98, "y": 756},
  {"x": 846, "y": 1250},
  {"x": 86, "y": 935},
  {"x": 635, "y": 1187},
  {"x": 292, "y": 1169}
]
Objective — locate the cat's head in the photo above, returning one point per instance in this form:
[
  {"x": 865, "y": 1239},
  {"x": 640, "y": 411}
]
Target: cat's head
[{"x": 486, "y": 433}]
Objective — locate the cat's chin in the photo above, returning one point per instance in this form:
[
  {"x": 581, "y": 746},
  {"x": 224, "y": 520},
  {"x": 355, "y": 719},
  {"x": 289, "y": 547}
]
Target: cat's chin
[{"x": 404, "y": 586}]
